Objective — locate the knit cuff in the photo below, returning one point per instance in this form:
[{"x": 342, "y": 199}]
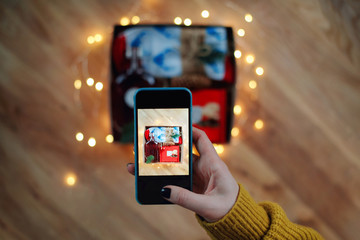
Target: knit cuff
[{"x": 246, "y": 220}]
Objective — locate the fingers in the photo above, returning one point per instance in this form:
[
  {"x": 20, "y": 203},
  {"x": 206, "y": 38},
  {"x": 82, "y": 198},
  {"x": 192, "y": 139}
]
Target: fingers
[
  {"x": 202, "y": 142},
  {"x": 131, "y": 168},
  {"x": 185, "y": 198}
]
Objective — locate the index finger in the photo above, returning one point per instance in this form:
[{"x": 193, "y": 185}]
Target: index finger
[{"x": 202, "y": 142}]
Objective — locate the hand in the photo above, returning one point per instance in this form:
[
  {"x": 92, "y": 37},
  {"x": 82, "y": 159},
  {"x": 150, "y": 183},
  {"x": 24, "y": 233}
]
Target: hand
[{"x": 215, "y": 189}]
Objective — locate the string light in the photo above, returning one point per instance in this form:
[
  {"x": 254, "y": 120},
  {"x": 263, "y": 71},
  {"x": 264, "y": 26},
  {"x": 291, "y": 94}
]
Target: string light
[
  {"x": 90, "y": 39},
  {"x": 187, "y": 22},
  {"x": 109, "y": 138},
  {"x": 259, "y": 124},
  {"x": 98, "y": 37},
  {"x": 79, "y": 136},
  {"x": 91, "y": 142},
  {"x": 235, "y": 132},
  {"x": 124, "y": 21},
  {"x": 219, "y": 148},
  {"x": 252, "y": 84},
  {"x": 241, "y": 32},
  {"x": 248, "y": 17},
  {"x": 250, "y": 58},
  {"x": 135, "y": 19},
  {"x": 259, "y": 71},
  {"x": 99, "y": 86},
  {"x": 90, "y": 82},
  {"x": 77, "y": 84},
  {"x": 237, "y": 109},
  {"x": 70, "y": 179},
  {"x": 237, "y": 54},
  {"x": 177, "y": 20},
  {"x": 205, "y": 14}
]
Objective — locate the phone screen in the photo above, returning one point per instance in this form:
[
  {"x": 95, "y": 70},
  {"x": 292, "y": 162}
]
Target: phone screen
[{"x": 163, "y": 141}]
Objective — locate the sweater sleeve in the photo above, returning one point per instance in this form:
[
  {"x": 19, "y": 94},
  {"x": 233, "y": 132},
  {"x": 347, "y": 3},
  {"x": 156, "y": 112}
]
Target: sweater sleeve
[{"x": 248, "y": 220}]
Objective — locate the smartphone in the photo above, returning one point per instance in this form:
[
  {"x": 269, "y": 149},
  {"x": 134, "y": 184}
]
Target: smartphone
[{"x": 162, "y": 141}]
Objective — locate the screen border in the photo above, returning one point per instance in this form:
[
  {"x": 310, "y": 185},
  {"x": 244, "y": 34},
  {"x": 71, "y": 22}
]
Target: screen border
[{"x": 146, "y": 186}]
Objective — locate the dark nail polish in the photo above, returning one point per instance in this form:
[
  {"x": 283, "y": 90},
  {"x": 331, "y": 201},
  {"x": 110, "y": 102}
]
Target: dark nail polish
[{"x": 165, "y": 192}]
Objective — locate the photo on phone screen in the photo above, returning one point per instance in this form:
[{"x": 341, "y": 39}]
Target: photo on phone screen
[{"x": 163, "y": 141}]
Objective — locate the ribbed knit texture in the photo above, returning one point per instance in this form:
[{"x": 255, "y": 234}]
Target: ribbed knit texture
[{"x": 248, "y": 220}]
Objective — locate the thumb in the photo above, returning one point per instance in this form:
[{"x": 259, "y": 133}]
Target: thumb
[{"x": 185, "y": 198}]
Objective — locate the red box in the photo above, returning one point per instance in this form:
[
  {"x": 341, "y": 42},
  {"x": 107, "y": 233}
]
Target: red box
[{"x": 170, "y": 154}]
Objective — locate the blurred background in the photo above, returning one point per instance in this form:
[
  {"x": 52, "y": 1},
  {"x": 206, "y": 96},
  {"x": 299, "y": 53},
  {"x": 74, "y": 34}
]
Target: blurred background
[{"x": 296, "y": 133}]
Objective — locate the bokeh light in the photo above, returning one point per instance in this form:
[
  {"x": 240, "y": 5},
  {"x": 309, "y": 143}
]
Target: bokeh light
[
  {"x": 70, "y": 179},
  {"x": 252, "y": 84},
  {"x": 79, "y": 136},
  {"x": 109, "y": 138},
  {"x": 259, "y": 71},
  {"x": 98, "y": 37},
  {"x": 135, "y": 19},
  {"x": 91, "y": 142},
  {"x": 250, "y": 58},
  {"x": 90, "y": 82},
  {"x": 237, "y": 109},
  {"x": 235, "y": 132},
  {"x": 241, "y": 32},
  {"x": 77, "y": 84},
  {"x": 248, "y": 17},
  {"x": 205, "y": 14},
  {"x": 237, "y": 54},
  {"x": 177, "y": 20},
  {"x": 90, "y": 39},
  {"x": 124, "y": 21},
  {"x": 259, "y": 124},
  {"x": 99, "y": 86},
  {"x": 187, "y": 22},
  {"x": 219, "y": 148}
]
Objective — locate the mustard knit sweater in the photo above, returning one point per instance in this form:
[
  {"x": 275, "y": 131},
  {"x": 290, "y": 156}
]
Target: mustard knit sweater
[{"x": 248, "y": 220}]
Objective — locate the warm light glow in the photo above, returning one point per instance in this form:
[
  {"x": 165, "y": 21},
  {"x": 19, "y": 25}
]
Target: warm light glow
[
  {"x": 98, "y": 37},
  {"x": 250, "y": 58},
  {"x": 237, "y": 54},
  {"x": 70, "y": 179},
  {"x": 177, "y": 20},
  {"x": 79, "y": 136},
  {"x": 259, "y": 124},
  {"x": 241, "y": 32},
  {"x": 219, "y": 148},
  {"x": 195, "y": 151},
  {"x": 237, "y": 109},
  {"x": 99, "y": 86},
  {"x": 109, "y": 138},
  {"x": 259, "y": 71},
  {"x": 77, "y": 84},
  {"x": 90, "y": 82},
  {"x": 90, "y": 39},
  {"x": 135, "y": 19},
  {"x": 205, "y": 14},
  {"x": 248, "y": 17},
  {"x": 92, "y": 142},
  {"x": 252, "y": 84},
  {"x": 235, "y": 132},
  {"x": 124, "y": 21},
  {"x": 187, "y": 21}
]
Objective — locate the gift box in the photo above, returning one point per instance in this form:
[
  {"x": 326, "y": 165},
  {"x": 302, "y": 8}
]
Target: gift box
[
  {"x": 200, "y": 58},
  {"x": 170, "y": 154}
]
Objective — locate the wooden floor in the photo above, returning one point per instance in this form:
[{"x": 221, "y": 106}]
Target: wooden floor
[{"x": 306, "y": 158}]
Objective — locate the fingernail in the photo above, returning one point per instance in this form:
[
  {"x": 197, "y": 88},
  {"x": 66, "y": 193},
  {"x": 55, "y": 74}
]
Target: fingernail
[
  {"x": 128, "y": 164},
  {"x": 165, "y": 192}
]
